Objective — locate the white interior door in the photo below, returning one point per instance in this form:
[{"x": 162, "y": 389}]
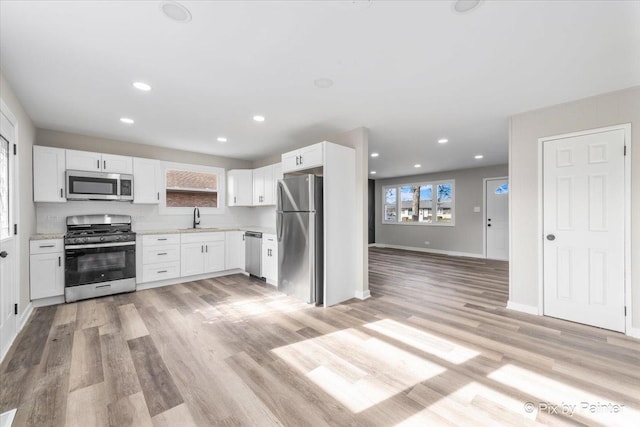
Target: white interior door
[
  {"x": 497, "y": 218},
  {"x": 584, "y": 229},
  {"x": 8, "y": 242}
]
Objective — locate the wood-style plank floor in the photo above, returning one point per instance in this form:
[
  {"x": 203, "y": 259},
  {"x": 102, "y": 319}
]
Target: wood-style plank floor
[{"x": 434, "y": 345}]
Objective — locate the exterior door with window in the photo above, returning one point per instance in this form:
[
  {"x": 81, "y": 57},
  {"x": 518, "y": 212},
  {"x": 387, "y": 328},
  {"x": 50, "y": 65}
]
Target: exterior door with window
[
  {"x": 8, "y": 241},
  {"x": 497, "y": 218},
  {"x": 584, "y": 217}
]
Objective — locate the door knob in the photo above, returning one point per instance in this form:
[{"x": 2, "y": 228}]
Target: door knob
[
  {"x": 488, "y": 225},
  {"x": 3, "y": 254},
  {"x": 551, "y": 237}
]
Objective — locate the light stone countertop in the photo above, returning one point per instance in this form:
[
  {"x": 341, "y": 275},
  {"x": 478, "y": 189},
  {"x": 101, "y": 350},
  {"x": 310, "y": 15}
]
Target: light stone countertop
[{"x": 47, "y": 236}]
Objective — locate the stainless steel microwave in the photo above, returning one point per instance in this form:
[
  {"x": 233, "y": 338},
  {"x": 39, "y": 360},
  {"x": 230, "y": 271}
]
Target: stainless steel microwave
[{"x": 83, "y": 185}]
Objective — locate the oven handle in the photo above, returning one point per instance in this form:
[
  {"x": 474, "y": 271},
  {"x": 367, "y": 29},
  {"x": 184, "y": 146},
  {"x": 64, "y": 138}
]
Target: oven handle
[{"x": 100, "y": 245}]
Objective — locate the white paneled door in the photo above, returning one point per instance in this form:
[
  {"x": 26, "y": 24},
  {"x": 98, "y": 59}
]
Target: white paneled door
[
  {"x": 584, "y": 217},
  {"x": 497, "y": 218},
  {"x": 8, "y": 240}
]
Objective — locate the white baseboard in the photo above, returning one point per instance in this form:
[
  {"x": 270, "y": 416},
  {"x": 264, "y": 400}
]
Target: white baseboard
[
  {"x": 633, "y": 332},
  {"x": 363, "y": 294},
  {"x": 21, "y": 321},
  {"x": 48, "y": 301},
  {"x": 161, "y": 283},
  {"x": 524, "y": 308},
  {"x": 429, "y": 250},
  {"x": 24, "y": 317}
]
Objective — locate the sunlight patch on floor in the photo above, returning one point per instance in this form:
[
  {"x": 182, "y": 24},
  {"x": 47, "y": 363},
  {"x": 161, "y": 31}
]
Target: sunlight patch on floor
[
  {"x": 356, "y": 369},
  {"x": 552, "y": 393},
  {"x": 423, "y": 341}
]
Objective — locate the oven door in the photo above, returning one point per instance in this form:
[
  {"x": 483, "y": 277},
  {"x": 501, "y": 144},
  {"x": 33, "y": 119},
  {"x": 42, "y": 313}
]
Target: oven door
[
  {"x": 95, "y": 263},
  {"x": 82, "y": 185}
]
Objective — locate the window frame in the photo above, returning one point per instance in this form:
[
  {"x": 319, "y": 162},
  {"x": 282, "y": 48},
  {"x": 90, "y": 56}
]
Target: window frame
[
  {"x": 434, "y": 203},
  {"x": 163, "y": 209}
]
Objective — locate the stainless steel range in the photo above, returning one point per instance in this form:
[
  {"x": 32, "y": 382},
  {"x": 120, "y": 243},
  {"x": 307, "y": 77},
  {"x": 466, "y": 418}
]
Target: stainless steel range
[{"x": 100, "y": 253}]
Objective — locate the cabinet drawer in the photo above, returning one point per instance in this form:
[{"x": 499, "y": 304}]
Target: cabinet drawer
[
  {"x": 202, "y": 237},
  {"x": 155, "y": 272},
  {"x": 160, "y": 240},
  {"x": 156, "y": 254},
  {"x": 46, "y": 246}
]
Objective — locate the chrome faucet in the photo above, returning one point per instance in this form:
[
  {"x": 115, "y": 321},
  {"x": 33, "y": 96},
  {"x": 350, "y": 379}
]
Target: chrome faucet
[{"x": 196, "y": 217}]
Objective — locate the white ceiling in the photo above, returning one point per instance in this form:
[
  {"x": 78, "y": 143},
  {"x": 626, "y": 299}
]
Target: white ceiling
[{"x": 411, "y": 72}]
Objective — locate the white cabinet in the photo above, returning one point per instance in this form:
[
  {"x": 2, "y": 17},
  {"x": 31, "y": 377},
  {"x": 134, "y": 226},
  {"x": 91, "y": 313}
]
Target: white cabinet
[
  {"x": 159, "y": 257},
  {"x": 234, "y": 247},
  {"x": 303, "y": 158},
  {"x": 46, "y": 267},
  {"x": 48, "y": 174},
  {"x": 264, "y": 184},
  {"x": 240, "y": 187},
  {"x": 202, "y": 253},
  {"x": 146, "y": 181},
  {"x": 98, "y": 162},
  {"x": 270, "y": 258}
]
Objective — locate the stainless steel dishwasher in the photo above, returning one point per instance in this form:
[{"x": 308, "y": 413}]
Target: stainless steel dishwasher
[{"x": 253, "y": 253}]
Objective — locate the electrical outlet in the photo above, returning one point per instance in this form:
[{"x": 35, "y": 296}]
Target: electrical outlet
[
  {"x": 427, "y": 242},
  {"x": 476, "y": 208}
]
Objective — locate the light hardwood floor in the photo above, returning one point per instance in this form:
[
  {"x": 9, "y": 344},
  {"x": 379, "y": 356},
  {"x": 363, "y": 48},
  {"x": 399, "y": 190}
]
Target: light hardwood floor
[{"x": 433, "y": 346}]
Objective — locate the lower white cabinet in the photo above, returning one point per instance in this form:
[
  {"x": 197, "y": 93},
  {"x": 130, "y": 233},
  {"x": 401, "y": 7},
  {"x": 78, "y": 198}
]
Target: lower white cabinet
[
  {"x": 234, "y": 248},
  {"x": 202, "y": 253},
  {"x": 270, "y": 258},
  {"x": 46, "y": 267},
  {"x": 160, "y": 257}
]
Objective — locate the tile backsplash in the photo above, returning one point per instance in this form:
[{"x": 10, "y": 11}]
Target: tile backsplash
[{"x": 51, "y": 217}]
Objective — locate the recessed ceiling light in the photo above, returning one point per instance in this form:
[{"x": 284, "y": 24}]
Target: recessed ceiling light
[
  {"x": 372, "y": 172},
  {"x": 142, "y": 86},
  {"x": 222, "y": 139},
  {"x": 478, "y": 156},
  {"x": 417, "y": 165},
  {"x": 127, "y": 120},
  {"x": 464, "y": 6},
  {"x": 175, "y": 11},
  {"x": 323, "y": 83},
  {"x": 443, "y": 141},
  {"x": 374, "y": 154},
  {"x": 258, "y": 118}
]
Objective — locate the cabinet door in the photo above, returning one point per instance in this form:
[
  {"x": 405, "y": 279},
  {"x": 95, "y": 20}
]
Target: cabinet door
[
  {"x": 290, "y": 161},
  {"x": 83, "y": 160},
  {"x": 240, "y": 187},
  {"x": 48, "y": 174},
  {"x": 311, "y": 156},
  {"x": 214, "y": 256},
  {"x": 191, "y": 259},
  {"x": 146, "y": 177},
  {"x": 234, "y": 248},
  {"x": 47, "y": 275},
  {"x": 258, "y": 186},
  {"x": 270, "y": 258},
  {"x": 272, "y": 183},
  {"x": 117, "y": 164}
]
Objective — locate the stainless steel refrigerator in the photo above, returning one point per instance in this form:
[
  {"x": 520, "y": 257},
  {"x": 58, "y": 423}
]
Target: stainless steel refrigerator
[{"x": 300, "y": 237}]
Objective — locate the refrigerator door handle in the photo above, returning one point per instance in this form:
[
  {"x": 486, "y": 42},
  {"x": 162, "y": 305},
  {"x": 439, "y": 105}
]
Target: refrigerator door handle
[{"x": 279, "y": 226}]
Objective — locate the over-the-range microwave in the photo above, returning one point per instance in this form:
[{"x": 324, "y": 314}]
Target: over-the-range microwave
[{"x": 84, "y": 185}]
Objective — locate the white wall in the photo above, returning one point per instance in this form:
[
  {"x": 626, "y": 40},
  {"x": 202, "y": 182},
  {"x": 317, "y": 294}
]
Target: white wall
[
  {"x": 27, "y": 218},
  {"x": 465, "y": 237},
  {"x": 525, "y": 129}
]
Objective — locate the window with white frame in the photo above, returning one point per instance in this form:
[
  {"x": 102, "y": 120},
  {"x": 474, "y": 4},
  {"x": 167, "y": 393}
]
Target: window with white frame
[
  {"x": 189, "y": 186},
  {"x": 424, "y": 203}
]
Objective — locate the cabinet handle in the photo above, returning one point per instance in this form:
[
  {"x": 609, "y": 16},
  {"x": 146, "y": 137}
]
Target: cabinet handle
[
  {"x": 202, "y": 249},
  {"x": 162, "y": 271},
  {"x": 300, "y": 158},
  {"x": 98, "y": 164},
  {"x": 59, "y": 262},
  {"x": 162, "y": 253},
  {"x": 104, "y": 167},
  {"x": 243, "y": 237},
  {"x": 47, "y": 246},
  {"x": 206, "y": 248},
  {"x": 297, "y": 161},
  {"x": 61, "y": 193},
  {"x": 158, "y": 195},
  {"x": 162, "y": 239},
  {"x": 234, "y": 199}
]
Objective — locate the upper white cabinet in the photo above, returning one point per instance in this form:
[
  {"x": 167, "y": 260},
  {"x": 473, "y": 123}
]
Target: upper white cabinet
[
  {"x": 240, "y": 187},
  {"x": 234, "y": 247},
  {"x": 146, "y": 181},
  {"x": 48, "y": 174},
  {"x": 98, "y": 162},
  {"x": 264, "y": 184},
  {"x": 303, "y": 158}
]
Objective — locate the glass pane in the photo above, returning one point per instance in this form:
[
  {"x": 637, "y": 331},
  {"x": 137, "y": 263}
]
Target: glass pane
[
  {"x": 503, "y": 189},
  {"x": 191, "y": 199},
  {"x": 187, "y": 189},
  {"x": 390, "y": 213},
  {"x": 390, "y": 196},
  {"x": 192, "y": 180},
  {"x": 445, "y": 192},
  {"x": 426, "y": 192},
  {"x": 410, "y": 203},
  {"x": 4, "y": 188},
  {"x": 444, "y": 212}
]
